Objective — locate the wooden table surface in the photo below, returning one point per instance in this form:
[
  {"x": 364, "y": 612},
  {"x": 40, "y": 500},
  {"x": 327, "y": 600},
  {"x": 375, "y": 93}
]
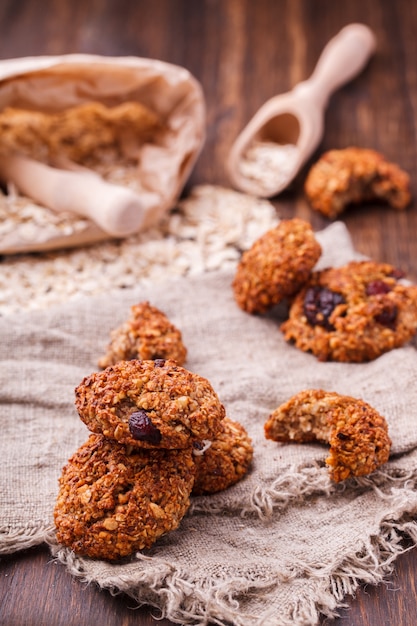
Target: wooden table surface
[{"x": 242, "y": 52}]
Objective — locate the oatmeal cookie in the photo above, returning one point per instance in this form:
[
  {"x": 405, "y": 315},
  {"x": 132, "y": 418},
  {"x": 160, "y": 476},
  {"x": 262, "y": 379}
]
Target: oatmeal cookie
[
  {"x": 276, "y": 266},
  {"x": 356, "y": 432},
  {"x": 87, "y": 134},
  {"x": 149, "y": 404},
  {"x": 352, "y": 313},
  {"x": 147, "y": 334},
  {"x": 354, "y": 175},
  {"x": 225, "y": 462},
  {"x": 114, "y": 500}
]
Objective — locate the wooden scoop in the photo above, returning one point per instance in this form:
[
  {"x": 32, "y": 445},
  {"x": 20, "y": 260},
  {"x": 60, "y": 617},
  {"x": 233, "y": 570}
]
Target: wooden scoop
[
  {"x": 117, "y": 210},
  {"x": 285, "y": 131}
]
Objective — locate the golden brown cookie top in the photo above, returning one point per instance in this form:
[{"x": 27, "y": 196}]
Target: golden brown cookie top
[
  {"x": 276, "y": 266},
  {"x": 114, "y": 500},
  {"x": 354, "y": 175},
  {"x": 357, "y": 433},
  {"x": 150, "y": 404},
  {"x": 147, "y": 334},
  {"x": 353, "y": 313},
  {"x": 225, "y": 462}
]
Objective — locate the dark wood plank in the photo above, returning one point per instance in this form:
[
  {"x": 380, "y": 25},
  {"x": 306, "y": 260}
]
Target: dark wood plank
[
  {"x": 391, "y": 602},
  {"x": 36, "y": 591},
  {"x": 243, "y": 52}
]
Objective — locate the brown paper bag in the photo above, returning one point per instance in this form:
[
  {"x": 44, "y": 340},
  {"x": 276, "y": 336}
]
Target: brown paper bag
[{"x": 55, "y": 83}]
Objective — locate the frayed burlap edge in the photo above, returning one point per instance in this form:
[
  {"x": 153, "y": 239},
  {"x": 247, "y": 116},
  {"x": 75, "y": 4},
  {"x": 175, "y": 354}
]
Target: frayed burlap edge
[
  {"x": 180, "y": 599},
  {"x": 28, "y": 536}
]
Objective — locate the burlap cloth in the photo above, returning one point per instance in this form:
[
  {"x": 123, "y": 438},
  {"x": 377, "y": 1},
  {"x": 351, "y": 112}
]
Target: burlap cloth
[{"x": 283, "y": 546}]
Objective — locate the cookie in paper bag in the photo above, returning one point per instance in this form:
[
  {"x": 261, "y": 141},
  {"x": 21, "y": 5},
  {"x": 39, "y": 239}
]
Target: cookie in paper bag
[{"x": 128, "y": 130}]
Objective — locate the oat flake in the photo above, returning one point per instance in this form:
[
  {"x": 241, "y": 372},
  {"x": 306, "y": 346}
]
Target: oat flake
[
  {"x": 206, "y": 231},
  {"x": 269, "y": 164}
]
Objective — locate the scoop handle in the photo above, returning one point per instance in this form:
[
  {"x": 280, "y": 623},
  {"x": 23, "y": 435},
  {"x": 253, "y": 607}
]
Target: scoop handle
[
  {"x": 343, "y": 57},
  {"x": 115, "y": 209}
]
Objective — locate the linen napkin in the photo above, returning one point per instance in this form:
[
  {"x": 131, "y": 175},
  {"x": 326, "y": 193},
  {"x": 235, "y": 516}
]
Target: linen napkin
[{"x": 283, "y": 546}]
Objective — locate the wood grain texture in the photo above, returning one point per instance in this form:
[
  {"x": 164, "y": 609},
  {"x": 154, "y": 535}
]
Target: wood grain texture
[{"x": 242, "y": 52}]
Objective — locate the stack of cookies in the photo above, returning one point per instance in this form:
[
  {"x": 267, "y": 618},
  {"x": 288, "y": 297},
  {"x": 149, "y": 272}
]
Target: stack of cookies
[{"x": 160, "y": 435}]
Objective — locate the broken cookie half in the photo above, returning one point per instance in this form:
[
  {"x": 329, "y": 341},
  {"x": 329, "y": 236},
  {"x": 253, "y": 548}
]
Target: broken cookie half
[
  {"x": 341, "y": 178},
  {"x": 357, "y": 433}
]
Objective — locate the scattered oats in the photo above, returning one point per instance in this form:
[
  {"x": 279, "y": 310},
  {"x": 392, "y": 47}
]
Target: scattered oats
[
  {"x": 22, "y": 215},
  {"x": 207, "y": 231}
]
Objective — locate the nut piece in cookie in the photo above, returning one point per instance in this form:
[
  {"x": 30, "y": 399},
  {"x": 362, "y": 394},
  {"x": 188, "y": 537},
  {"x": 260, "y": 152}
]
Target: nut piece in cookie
[
  {"x": 225, "y": 462},
  {"x": 114, "y": 500},
  {"x": 354, "y": 175},
  {"x": 149, "y": 404},
  {"x": 352, "y": 313},
  {"x": 276, "y": 266},
  {"x": 356, "y": 432},
  {"x": 147, "y": 334}
]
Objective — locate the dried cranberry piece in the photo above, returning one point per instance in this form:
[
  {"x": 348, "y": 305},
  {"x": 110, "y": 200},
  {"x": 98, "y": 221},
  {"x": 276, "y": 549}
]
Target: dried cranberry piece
[
  {"x": 397, "y": 274},
  {"x": 342, "y": 436},
  {"x": 388, "y": 316},
  {"x": 142, "y": 429},
  {"x": 319, "y": 304},
  {"x": 377, "y": 288}
]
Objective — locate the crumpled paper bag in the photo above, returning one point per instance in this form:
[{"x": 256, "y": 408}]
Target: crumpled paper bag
[{"x": 53, "y": 83}]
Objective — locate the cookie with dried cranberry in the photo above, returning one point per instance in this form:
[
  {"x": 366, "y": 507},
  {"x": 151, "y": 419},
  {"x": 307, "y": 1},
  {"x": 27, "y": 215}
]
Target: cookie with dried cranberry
[
  {"x": 353, "y": 313},
  {"x": 354, "y": 175},
  {"x": 147, "y": 334},
  {"x": 114, "y": 500},
  {"x": 276, "y": 266},
  {"x": 357, "y": 433},
  {"x": 225, "y": 461},
  {"x": 150, "y": 404}
]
